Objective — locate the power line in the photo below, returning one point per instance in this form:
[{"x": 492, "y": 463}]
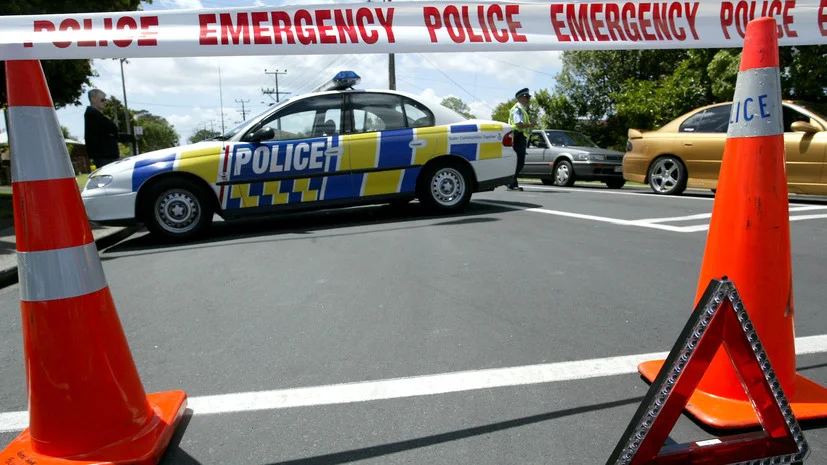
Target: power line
[
  {"x": 454, "y": 82},
  {"x": 512, "y": 64}
]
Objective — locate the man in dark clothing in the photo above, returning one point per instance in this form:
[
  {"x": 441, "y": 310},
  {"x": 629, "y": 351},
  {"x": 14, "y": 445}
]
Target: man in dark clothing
[{"x": 101, "y": 133}]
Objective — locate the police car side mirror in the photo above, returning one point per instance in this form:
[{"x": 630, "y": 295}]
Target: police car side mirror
[{"x": 265, "y": 133}]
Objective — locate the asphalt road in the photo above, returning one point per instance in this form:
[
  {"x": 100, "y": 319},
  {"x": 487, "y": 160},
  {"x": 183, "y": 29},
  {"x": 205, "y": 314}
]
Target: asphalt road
[{"x": 346, "y": 300}]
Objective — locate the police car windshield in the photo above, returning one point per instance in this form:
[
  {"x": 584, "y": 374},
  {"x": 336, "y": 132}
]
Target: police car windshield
[{"x": 227, "y": 135}]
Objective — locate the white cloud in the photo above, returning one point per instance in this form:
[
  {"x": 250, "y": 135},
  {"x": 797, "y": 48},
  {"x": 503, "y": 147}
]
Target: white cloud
[{"x": 181, "y": 4}]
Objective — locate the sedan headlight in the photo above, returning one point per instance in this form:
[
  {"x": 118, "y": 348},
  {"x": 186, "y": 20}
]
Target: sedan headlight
[
  {"x": 598, "y": 156},
  {"x": 581, "y": 156},
  {"x": 98, "y": 182}
]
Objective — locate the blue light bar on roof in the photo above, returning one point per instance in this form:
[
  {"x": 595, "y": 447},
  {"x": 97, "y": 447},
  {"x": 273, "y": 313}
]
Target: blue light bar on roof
[{"x": 341, "y": 81}]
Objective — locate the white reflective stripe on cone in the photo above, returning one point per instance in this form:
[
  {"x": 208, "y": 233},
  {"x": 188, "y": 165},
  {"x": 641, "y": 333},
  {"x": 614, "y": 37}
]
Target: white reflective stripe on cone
[
  {"x": 756, "y": 107},
  {"x": 60, "y": 273},
  {"x": 37, "y": 143}
]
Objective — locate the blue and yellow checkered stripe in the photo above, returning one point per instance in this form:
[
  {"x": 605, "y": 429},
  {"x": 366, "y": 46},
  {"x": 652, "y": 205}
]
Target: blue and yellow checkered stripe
[{"x": 266, "y": 194}]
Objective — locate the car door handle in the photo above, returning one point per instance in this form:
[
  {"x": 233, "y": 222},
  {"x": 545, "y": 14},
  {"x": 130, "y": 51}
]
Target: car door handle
[
  {"x": 333, "y": 151},
  {"x": 418, "y": 143},
  {"x": 688, "y": 144}
]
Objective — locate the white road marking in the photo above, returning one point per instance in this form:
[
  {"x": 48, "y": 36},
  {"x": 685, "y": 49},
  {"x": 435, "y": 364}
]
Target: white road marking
[
  {"x": 643, "y": 194},
  {"x": 654, "y": 223},
  {"x": 419, "y": 385}
]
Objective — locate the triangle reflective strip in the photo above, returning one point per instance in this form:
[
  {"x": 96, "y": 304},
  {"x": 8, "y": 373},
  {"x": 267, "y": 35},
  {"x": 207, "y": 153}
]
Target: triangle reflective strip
[{"x": 719, "y": 318}]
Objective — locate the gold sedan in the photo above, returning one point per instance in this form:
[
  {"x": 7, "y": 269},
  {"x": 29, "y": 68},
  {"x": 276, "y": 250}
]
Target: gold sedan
[{"x": 687, "y": 151}]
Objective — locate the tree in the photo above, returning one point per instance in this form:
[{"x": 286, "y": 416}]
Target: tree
[
  {"x": 456, "y": 104},
  {"x": 203, "y": 134},
  {"x": 803, "y": 73},
  {"x": 158, "y": 133},
  {"x": 65, "y": 78},
  {"x": 611, "y": 91},
  {"x": 557, "y": 111}
]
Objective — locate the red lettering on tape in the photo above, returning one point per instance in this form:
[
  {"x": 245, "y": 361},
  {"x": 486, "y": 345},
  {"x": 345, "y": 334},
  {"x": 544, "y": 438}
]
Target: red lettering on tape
[
  {"x": 205, "y": 36},
  {"x": 822, "y": 17}
]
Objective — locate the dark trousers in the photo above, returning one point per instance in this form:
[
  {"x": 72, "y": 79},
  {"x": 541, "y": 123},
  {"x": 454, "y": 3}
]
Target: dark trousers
[
  {"x": 520, "y": 144},
  {"x": 101, "y": 162}
]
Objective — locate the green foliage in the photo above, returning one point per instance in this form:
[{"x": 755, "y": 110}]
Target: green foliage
[
  {"x": 203, "y": 134},
  {"x": 604, "y": 93},
  {"x": 803, "y": 74},
  {"x": 723, "y": 72},
  {"x": 456, "y": 104},
  {"x": 65, "y": 78},
  {"x": 158, "y": 133},
  {"x": 557, "y": 111},
  {"x": 501, "y": 110}
]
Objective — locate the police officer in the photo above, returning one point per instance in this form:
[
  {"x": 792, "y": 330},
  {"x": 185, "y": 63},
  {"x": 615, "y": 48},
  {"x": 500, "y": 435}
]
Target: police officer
[{"x": 519, "y": 121}]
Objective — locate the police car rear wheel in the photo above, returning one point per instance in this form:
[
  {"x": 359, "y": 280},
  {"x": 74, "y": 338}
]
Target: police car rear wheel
[
  {"x": 177, "y": 209},
  {"x": 447, "y": 189}
]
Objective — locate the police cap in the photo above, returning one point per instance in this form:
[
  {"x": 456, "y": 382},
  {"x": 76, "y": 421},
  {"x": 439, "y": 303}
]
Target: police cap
[{"x": 522, "y": 92}]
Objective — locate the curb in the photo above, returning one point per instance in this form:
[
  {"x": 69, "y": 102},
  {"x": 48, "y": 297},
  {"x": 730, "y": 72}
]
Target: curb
[{"x": 9, "y": 276}]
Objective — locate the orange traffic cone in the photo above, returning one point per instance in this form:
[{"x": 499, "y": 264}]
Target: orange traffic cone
[
  {"x": 749, "y": 242},
  {"x": 86, "y": 402}
]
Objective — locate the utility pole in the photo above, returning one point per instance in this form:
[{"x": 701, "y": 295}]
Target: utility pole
[
  {"x": 271, "y": 91},
  {"x": 391, "y": 70},
  {"x": 243, "y": 111},
  {"x": 133, "y": 147},
  {"x": 221, "y": 96}
]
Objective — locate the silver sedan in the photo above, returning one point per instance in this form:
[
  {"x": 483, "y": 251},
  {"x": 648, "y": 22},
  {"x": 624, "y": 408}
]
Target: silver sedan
[{"x": 560, "y": 158}]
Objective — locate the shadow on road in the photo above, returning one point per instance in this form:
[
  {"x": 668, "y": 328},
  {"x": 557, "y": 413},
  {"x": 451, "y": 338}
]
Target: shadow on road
[
  {"x": 402, "y": 446},
  {"x": 286, "y": 227}
]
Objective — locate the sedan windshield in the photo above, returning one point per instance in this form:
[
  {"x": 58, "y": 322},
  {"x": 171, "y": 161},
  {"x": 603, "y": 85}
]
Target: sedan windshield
[{"x": 569, "y": 138}]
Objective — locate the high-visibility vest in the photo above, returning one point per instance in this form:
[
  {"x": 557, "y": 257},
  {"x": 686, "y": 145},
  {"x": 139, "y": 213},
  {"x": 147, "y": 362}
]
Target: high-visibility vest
[{"x": 525, "y": 131}]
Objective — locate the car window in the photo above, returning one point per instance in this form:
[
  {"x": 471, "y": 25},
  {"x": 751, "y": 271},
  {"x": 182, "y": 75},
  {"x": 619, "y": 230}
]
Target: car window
[
  {"x": 579, "y": 140},
  {"x": 558, "y": 138},
  {"x": 312, "y": 117},
  {"x": 715, "y": 119},
  {"x": 792, "y": 115},
  {"x": 377, "y": 112},
  {"x": 691, "y": 124},
  {"x": 819, "y": 109},
  {"x": 536, "y": 140},
  {"x": 417, "y": 115}
]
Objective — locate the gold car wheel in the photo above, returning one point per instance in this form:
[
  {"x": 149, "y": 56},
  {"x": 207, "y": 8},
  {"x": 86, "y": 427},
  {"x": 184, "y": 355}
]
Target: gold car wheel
[{"x": 667, "y": 176}]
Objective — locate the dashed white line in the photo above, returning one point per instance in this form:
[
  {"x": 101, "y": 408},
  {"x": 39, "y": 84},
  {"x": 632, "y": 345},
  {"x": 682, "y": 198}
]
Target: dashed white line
[{"x": 419, "y": 385}]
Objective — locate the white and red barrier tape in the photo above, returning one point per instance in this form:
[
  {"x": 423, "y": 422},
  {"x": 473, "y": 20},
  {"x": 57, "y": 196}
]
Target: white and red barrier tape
[{"x": 401, "y": 27}]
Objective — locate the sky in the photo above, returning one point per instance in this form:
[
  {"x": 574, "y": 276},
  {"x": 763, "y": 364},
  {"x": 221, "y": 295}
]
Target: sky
[{"x": 191, "y": 93}]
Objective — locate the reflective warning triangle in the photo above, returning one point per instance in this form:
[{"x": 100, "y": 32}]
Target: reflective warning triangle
[{"x": 719, "y": 318}]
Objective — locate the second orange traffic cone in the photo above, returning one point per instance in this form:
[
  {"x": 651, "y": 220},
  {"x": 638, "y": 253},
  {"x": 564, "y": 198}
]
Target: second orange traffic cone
[
  {"x": 86, "y": 401},
  {"x": 749, "y": 242}
]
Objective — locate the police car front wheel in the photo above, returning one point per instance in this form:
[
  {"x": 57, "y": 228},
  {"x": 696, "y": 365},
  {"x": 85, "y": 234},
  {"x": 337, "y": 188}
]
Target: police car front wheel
[
  {"x": 177, "y": 208},
  {"x": 446, "y": 187}
]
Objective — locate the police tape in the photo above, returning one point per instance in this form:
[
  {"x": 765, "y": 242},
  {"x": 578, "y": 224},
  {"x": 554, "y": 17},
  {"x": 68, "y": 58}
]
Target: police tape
[{"x": 402, "y": 27}]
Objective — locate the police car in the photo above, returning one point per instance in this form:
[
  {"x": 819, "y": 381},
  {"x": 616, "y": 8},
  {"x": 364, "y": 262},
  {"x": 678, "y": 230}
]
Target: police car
[{"x": 333, "y": 147}]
